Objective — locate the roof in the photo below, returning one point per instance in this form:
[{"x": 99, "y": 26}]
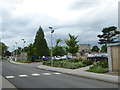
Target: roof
[{"x": 114, "y": 44}]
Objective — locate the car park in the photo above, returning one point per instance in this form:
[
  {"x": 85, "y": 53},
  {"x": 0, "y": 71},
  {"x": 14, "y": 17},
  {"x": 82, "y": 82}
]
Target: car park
[{"x": 98, "y": 57}]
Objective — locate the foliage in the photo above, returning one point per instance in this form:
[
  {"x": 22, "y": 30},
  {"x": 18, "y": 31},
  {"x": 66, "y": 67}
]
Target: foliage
[
  {"x": 30, "y": 51},
  {"x": 87, "y": 62},
  {"x": 99, "y": 67},
  {"x": 72, "y": 44},
  {"x": 108, "y": 35},
  {"x": 23, "y": 61},
  {"x": 95, "y": 49},
  {"x": 18, "y": 51},
  {"x": 70, "y": 64},
  {"x": 58, "y": 50},
  {"x": 40, "y": 44},
  {"x": 3, "y": 48},
  {"x": 7, "y": 53},
  {"x": 103, "y": 64},
  {"x": 104, "y": 48}
]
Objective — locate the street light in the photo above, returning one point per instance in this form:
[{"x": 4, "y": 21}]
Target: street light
[
  {"x": 16, "y": 52},
  {"x": 23, "y": 47},
  {"x": 13, "y": 51},
  {"x": 52, "y": 31}
]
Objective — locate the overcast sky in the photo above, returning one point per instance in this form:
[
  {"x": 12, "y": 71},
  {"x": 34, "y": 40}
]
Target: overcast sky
[{"x": 86, "y": 18}]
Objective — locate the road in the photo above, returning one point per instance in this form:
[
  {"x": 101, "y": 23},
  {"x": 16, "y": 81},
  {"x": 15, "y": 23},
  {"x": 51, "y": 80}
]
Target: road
[{"x": 22, "y": 76}]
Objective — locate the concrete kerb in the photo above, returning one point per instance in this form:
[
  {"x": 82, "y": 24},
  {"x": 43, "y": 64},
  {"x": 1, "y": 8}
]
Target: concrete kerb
[
  {"x": 82, "y": 73},
  {"x": 11, "y": 61}
]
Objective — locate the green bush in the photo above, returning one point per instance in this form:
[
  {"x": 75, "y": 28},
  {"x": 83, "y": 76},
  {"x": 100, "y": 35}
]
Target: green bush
[
  {"x": 103, "y": 64},
  {"x": 87, "y": 62},
  {"x": 38, "y": 60},
  {"x": 75, "y": 60},
  {"x": 47, "y": 63},
  {"x": 23, "y": 61},
  {"x": 98, "y": 69}
]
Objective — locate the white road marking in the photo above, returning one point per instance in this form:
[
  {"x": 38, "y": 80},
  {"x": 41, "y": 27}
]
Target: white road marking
[
  {"x": 35, "y": 74},
  {"x": 47, "y": 73},
  {"x": 9, "y": 76},
  {"x": 57, "y": 73},
  {"x": 23, "y": 75}
]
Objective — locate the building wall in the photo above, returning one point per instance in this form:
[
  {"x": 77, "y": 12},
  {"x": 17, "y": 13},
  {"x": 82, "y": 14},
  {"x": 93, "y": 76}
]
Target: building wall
[
  {"x": 115, "y": 53},
  {"x": 85, "y": 47}
]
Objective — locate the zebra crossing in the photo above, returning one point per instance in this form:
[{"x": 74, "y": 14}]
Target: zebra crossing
[{"x": 34, "y": 74}]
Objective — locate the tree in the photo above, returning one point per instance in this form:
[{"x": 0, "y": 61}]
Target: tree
[
  {"x": 58, "y": 50},
  {"x": 40, "y": 44},
  {"x": 72, "y": 46},
  {"x": 95, "y": 49},
  {"x": 104, "y": 48},
  {"x": 7, "y": 53},
  {"x": 3, "y": 48},
  {"x": 108, "y": 35},
  {"x": 29, "y": 50}
]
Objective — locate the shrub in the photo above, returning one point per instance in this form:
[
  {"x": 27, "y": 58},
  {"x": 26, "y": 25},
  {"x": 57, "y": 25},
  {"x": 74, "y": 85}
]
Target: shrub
[
  {"x": 47, "y": 63},
  {"x": 103, "y": 64},
  {"x": 75, "y": 60},
  {"x": 98, "y": 69},
  {"x": 87, "y": 62}
]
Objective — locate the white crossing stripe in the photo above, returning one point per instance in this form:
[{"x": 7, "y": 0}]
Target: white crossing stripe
[
  {"x": 9, "y": 76},
  {"x": 47, "y": 73},
  {"x": 23, "y": 75},
  {"x": 35, "y": 74},
  {"x": 57, "y": 73}
]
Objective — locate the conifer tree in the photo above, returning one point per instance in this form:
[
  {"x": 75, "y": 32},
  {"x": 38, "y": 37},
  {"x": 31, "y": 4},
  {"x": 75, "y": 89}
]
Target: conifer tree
[{"x": 40, "y": 44}]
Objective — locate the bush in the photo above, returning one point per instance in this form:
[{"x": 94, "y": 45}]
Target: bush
[
  {"x": 38, "y": 60},
  {"x": 103, "y": 64},
  {"x": 98, "y": 69},
  {"x": 23, "y": 61},
  {"x": 47, "y": 62},
  {"x": 75, "y": 60},
  {"x": 87, "y": 62}
]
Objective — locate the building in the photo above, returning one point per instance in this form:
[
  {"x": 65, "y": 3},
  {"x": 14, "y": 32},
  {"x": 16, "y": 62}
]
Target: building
[
  {"x": 114, "y": 57},
  {"x": 84, "y": 48}
]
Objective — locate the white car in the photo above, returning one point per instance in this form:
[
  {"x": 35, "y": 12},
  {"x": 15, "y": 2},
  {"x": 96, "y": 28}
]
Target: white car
[
  {"x": 57, "y": 58},
  {"x": 64, "y": 57}
]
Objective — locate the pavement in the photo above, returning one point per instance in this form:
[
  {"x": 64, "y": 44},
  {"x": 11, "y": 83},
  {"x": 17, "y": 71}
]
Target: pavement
[
  {"x": 80, "y": 72},
  {"x": 27, "y": 76},
  {"x": 6, "y": 84}
]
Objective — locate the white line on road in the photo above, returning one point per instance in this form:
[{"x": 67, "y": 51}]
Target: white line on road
[
  {"x": 23, "y": 75},
  {"x": 9, "y": 76},
  {"x": 35, "y": 74},
  {"x": 47, "y": 73},
  {"x": 57, "y": 73}
]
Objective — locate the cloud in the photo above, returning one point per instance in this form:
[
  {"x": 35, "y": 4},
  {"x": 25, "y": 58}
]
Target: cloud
[{"x": 86, "y": 18}]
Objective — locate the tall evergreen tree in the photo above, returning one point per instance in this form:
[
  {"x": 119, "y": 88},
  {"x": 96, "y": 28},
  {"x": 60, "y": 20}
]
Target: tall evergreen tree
[{"x": 40, "y": 44}]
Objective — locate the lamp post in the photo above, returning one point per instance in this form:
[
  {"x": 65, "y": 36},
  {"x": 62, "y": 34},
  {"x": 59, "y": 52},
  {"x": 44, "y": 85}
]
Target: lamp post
[
  {"x": 23, "y": 47},
  {"x": 51, "y": 54},
  {"x": 16, "y": 52},
  {"x": 13, "y": 51}
]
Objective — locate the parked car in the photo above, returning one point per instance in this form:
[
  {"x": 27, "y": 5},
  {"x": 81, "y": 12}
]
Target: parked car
[
  {"x": 98, "y": 57},
  {"x": 64, "y": 57},
  {"x": 57, "y": 57}
]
